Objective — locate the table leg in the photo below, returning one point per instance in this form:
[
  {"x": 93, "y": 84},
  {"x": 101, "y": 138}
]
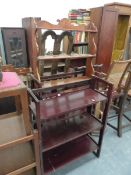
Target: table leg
[
  {"x": 18, "y": 104},
  {"x": 25, "y": 111}
]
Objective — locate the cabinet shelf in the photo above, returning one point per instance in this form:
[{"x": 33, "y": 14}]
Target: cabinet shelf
[
  {"x": 65, "y": 56},
  {"x": 63, "y": 82},
  {"x": 55, "y": 107},
  {"x": 70, "y": 130},
  {"x": 62, "y": 155},
  {"x": 49, "y": 65}
]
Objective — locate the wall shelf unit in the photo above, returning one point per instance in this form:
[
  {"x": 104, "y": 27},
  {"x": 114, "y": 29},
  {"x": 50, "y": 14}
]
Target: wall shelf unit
[{"x": 58, "y": 62}]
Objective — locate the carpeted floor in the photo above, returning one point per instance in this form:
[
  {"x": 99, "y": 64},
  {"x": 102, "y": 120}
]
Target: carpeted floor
[{"x": 115, "y": 158}]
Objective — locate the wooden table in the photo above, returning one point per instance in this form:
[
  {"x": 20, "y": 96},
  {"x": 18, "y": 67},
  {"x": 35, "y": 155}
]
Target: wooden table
[{"x": 21, "y": 99}]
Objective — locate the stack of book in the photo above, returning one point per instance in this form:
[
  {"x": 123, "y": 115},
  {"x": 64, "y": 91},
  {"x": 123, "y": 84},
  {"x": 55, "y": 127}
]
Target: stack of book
[{"x": 80, "y": 16}]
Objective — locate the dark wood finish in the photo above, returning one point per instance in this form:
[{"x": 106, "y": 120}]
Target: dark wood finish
[
  {"x": 106, "y": 38},
  {"x": 72, "y": 130},
  {"x": 96, "y": 17},
  {"x": 68, "y": 102},
  {"x": 108, "y": 31},
  {"x": 61, "y": 128},
  {"x": 69, "y": 152}
]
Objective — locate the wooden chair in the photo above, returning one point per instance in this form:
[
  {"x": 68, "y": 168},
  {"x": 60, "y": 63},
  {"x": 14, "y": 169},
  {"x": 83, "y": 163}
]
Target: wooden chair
[
  {"x": 117, "y": 55},
  {"x": 120, "y": 76},
  {"x": 71, "y": 72},
  {"x": 126, "y": 112},
  {"x": 117, "y": 72}
]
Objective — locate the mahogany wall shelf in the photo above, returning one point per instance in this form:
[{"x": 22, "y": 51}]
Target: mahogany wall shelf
[
  {"x": 66, "y": 120},
  {"x": 53, "y": 62}
]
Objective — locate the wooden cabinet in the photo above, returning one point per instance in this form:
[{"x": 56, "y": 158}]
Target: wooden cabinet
[
  {"x": 66, "y": 121},
  {"x": 13, "y": 46},
  {"x": 113, "y": 23}
]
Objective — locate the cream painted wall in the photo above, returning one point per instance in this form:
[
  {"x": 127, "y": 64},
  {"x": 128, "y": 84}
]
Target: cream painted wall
[{"x": 12, "y": 11}]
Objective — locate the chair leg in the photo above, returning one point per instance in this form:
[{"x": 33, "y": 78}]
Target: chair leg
[
  {"x": 119, "y": 125},
  {"x": 120, "y": 115}
]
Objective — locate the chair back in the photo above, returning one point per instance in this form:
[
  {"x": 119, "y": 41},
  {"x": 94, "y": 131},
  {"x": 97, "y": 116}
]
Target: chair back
[{"x": 118, "y": 73}]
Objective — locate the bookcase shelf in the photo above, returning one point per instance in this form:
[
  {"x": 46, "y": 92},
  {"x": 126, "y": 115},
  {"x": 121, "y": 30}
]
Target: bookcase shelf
[
  {"x": 66, "y": 103},
  {"x": 67, "y": 153},
  {"x": 66, "y": 120},
  {"x": 53, "y": 137},
  {"x": 65, "y": 56}
]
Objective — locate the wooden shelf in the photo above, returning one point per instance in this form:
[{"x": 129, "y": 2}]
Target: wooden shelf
[
  {"x": 55, "y": 107},
  {"x": 62, "y": 82},
  {"x": 65, "y": 56},
  {"x": 80, "y": 44},
  {"x": 67, "y": 153},
  {"x": 66, "y": 132},
  {"x": 49, "y": 65},
  {"x": 66, "y": 25},
  {"x": 16, "y": 149},
  {"x": 64, "y": 124}
]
